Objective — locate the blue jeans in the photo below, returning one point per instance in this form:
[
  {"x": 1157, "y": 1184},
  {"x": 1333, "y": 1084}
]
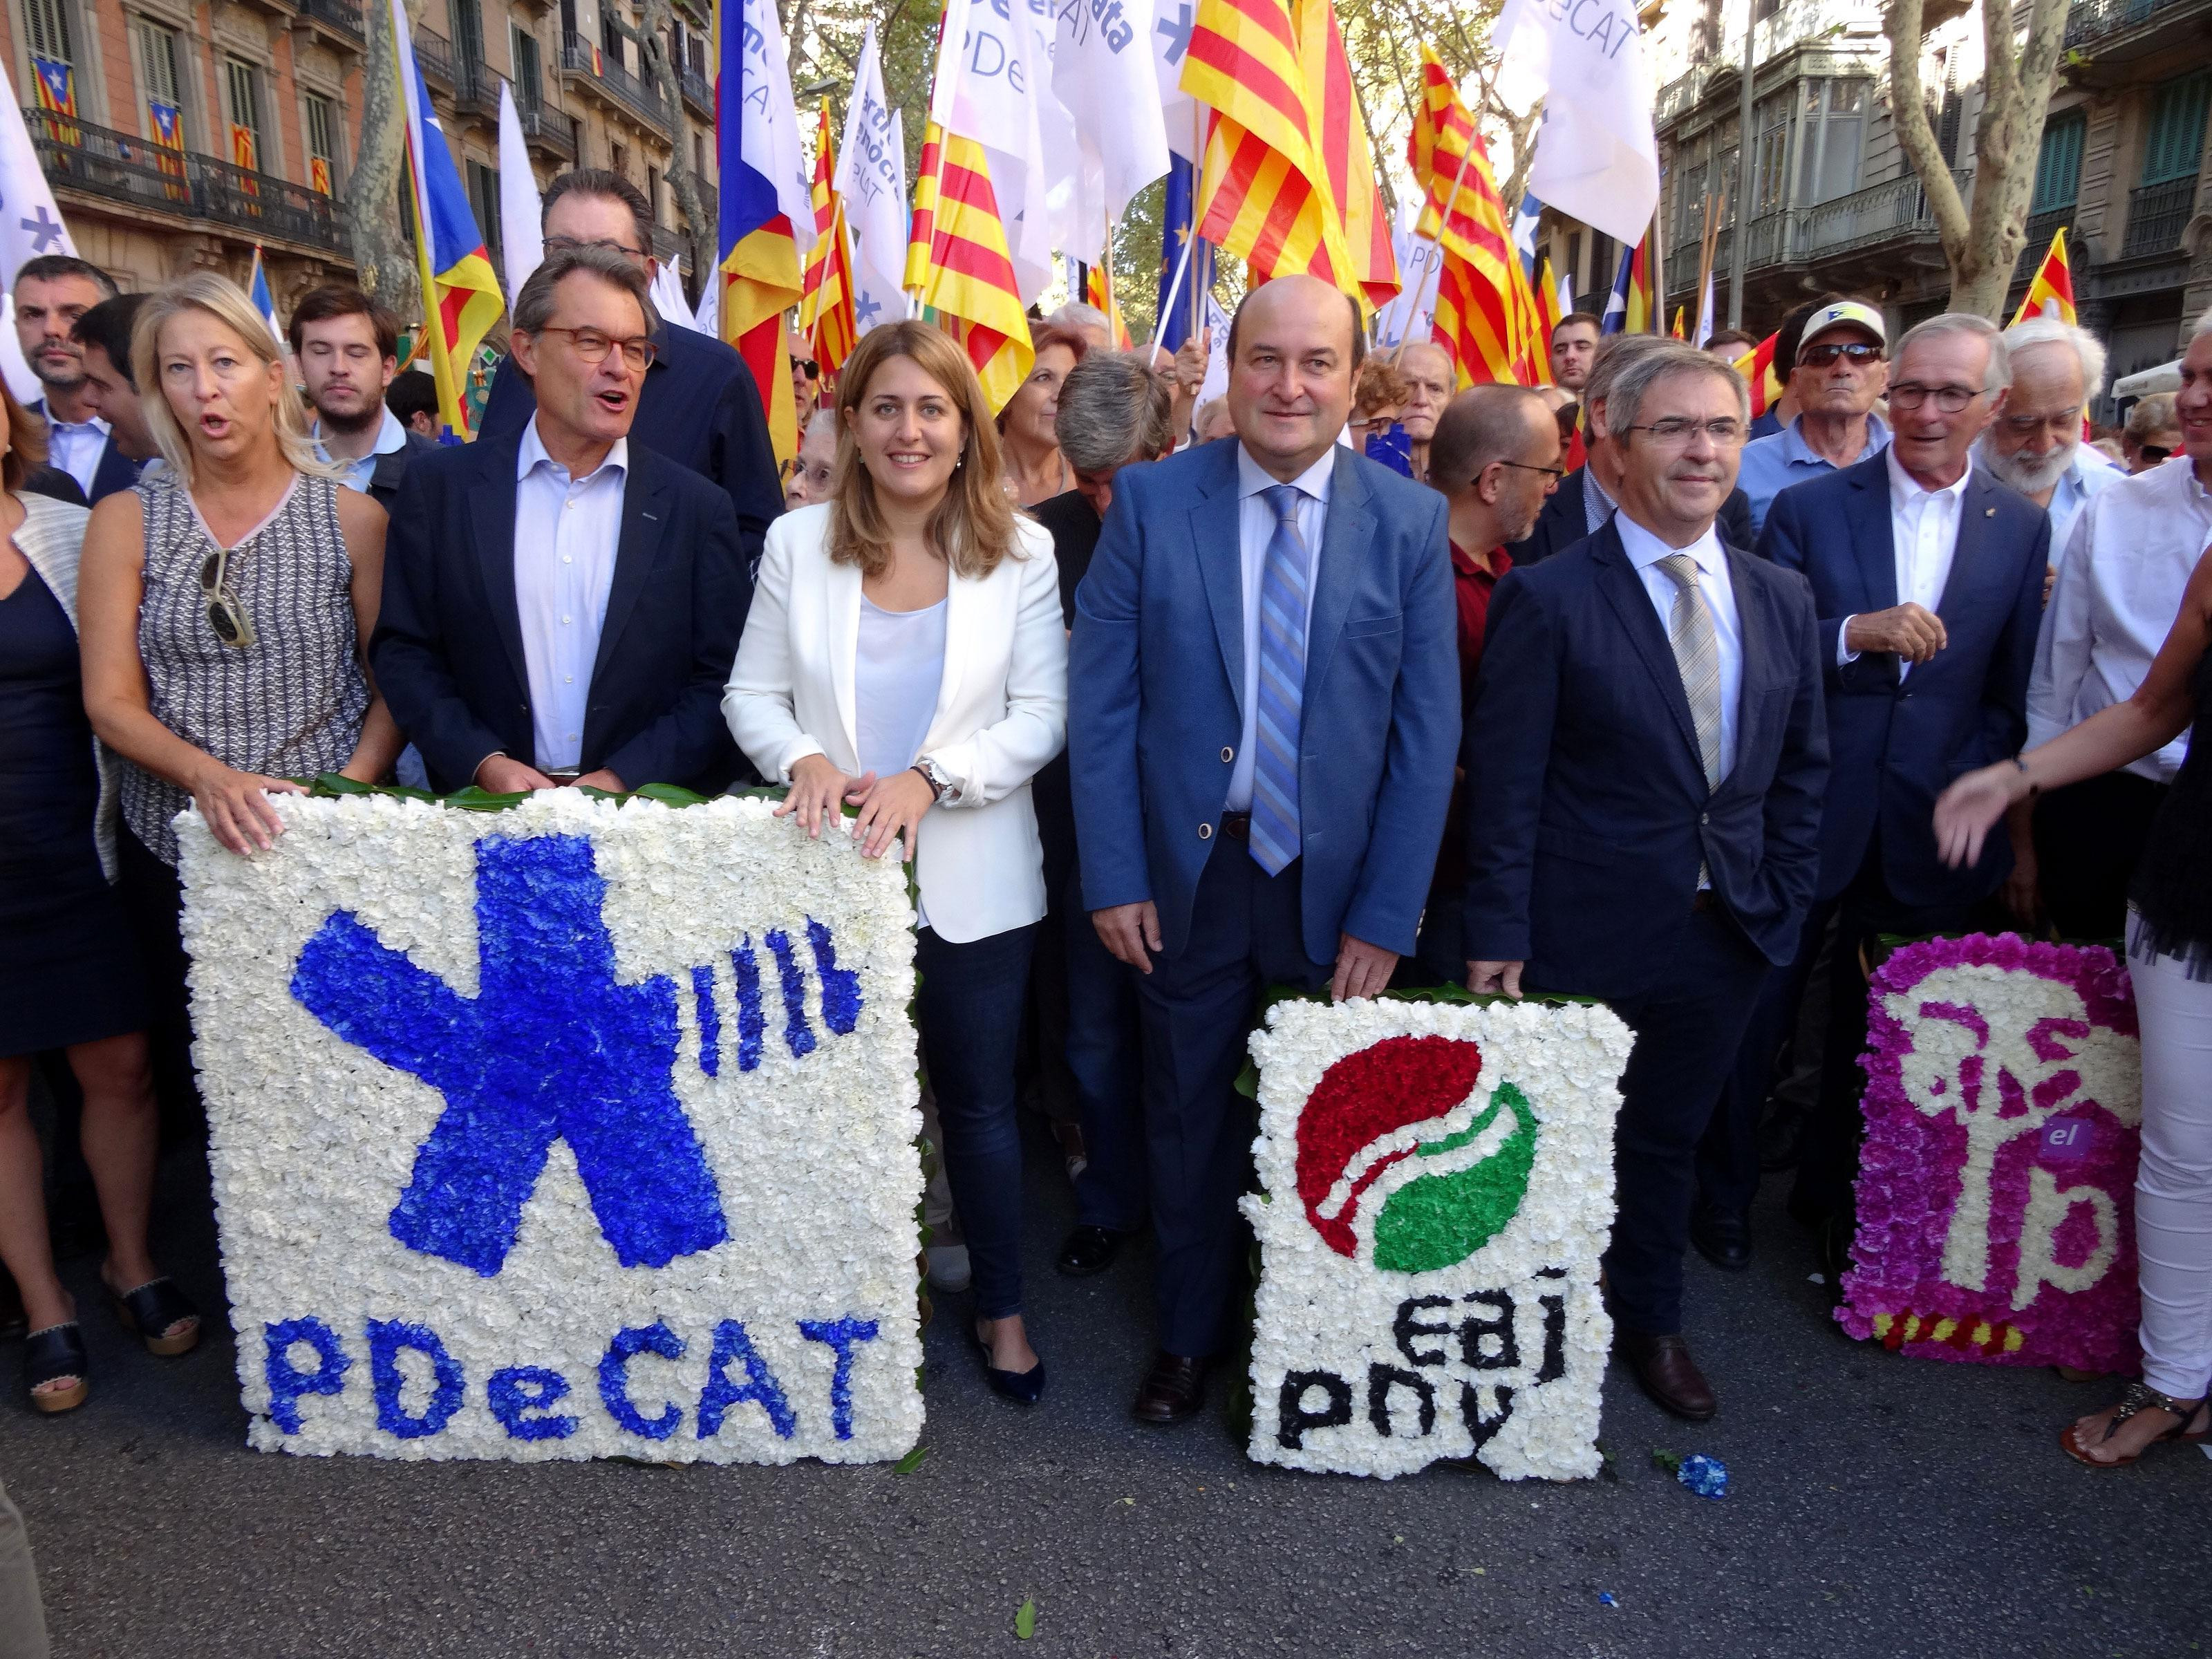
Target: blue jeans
[{"x": 970, "y": 1009}]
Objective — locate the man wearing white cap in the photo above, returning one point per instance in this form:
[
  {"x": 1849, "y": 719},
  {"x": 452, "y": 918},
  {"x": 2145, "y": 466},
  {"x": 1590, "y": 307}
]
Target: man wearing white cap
[{"x": 1840, "y": 375}]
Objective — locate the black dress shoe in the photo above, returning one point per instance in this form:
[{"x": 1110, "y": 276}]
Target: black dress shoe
[
  {"x": 1023, "y": 1388},
  {"x": 1721, "y": 1238},
  {"x": 1089, "y": 1251},
  {"x": 1174, "y": 1389},
  {"x": 1662, "y": 1365}
]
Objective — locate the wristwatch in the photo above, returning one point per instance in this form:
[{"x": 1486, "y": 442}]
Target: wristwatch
[{"x": 935, "y": 776}]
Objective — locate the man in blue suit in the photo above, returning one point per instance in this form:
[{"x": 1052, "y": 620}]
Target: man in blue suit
[
  {"x": 1927, "y": 575},
  {"x": 564, "y": 606},
  {"x": 1643, "y": 806},
  {"x": 1263, "y": 713},
  {"x": 698, "y": 406}
]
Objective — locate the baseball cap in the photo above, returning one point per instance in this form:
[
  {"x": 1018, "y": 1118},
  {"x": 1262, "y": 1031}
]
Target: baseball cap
[{"x": 1843, "y": 313}]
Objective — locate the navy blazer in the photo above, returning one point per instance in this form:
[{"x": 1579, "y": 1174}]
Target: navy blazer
[
  {"x": 1587, "y": 812},
  {"x": 389, "y": 472},
  {"x": 448, "y": 651},
  {"x": 1561, "y": 525},
  {"x": 115, "y": 470},
  {"x": 1898, "y": 745},
  {"x": 1156, "y": 693},
  {"x": 699, "y": 408}
]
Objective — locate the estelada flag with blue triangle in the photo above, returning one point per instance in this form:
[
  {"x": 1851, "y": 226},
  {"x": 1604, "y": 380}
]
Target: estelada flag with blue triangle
[
  {"x": 2051, "y": 293},
  {"x": 461, "y": 297}
]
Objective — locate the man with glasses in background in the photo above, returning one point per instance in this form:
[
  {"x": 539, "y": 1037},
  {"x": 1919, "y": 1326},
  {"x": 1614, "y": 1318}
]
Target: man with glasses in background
[
  {"x": 1927, "y": 575},
  {"x": 1837, "y": 379},
  {"x": 561, "y": 606},
  {"x": 2036, "y": 445},
  {"x": 698, "y": 404},
  {"x": 1644, "y": 805}
]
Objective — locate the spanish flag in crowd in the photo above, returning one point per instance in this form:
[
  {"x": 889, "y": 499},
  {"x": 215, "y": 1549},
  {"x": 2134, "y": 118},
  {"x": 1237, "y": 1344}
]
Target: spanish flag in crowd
[
  {"x": 1633, "y": 306},
  {"x": 460, "y": 290},
  {"x": 1099, "y": 293},
  {"x": 958, "y": 262},
  {"x": 2051, "y": 293},
  {"x": 1487, "y": 315},
  {"x": 825, "y": 315},
  {"x": 1289, "y": 179},
  {"x": 766, "y": 205},
  {"x": 1757, "y": 368}
]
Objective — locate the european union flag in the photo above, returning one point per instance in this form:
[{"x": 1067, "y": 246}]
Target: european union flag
[{"x": 1172, "y": 325}]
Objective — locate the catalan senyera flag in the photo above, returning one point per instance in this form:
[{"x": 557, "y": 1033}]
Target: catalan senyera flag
[
  {"x": 460, "y": 290},
  {"x": 1757, "y": 368},
  {"x": 1547, "y": 308},
  {"x": 967, "y": 270},
  {"x": 2051, "y": 293},
  {"x": 1099, "y": 292},
  {"x": 1288, "y": 181},
  {"x": 825, "y": 315},
  {"x": 1679, "y": 329},
  {"x": 760, "y": 269},
  {"x": 318, "y": 174},
  {"x": 1487, "y": 314}
]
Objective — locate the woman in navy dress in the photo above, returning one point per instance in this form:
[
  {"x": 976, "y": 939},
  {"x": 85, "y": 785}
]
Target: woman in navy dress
[{"x": 70, "y": 978}]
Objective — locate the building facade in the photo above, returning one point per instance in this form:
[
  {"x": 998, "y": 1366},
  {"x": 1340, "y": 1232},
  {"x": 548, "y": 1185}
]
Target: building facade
[
  {"x": 1834, "y": 204},
  {"x": 181, "y": 134}
]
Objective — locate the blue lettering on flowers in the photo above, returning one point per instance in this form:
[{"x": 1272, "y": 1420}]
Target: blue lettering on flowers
[
  {"x": 386, "y": 1339},
  {"x": 842, "y": 1336},
  {"x": 614, "y": 1378},
  {"x": 287, "y": 1383},
  {"x": 760, "y": 1386},
  {"x": 549, "y": 1047},
  {"x": 516, "y": 1394}
]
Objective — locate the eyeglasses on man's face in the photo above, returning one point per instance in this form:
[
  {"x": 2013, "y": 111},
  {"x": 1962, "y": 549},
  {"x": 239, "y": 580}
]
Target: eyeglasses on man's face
[
  {"x": 1911, "y": 394},
  {"x": 1554, "y": 473},
  {"x": 1677, "y": 434},
  {"x": 574, "y": 243},
  {"x": 591, "y": 346}
]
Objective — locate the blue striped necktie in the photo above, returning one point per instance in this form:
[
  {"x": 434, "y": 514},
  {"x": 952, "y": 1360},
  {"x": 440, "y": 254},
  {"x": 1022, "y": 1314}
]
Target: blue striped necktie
[{"x": 1283, "y": 586}]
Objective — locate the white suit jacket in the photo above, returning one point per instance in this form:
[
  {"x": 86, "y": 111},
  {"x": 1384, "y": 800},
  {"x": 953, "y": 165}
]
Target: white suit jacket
[{"x": 1001, "y": 709}]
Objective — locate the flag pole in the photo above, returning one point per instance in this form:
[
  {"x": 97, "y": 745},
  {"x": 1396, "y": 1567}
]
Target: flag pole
[
  {"x": 1198, "y": 150},
  {"x": 1443, "y": 229}
]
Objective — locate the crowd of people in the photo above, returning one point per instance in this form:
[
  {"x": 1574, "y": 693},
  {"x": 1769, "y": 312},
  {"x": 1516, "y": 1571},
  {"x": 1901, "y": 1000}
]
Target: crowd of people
[{"x": 1345, "y": 681}]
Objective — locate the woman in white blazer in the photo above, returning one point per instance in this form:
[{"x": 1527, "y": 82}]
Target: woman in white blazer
[{"x": 905, "y": 654}]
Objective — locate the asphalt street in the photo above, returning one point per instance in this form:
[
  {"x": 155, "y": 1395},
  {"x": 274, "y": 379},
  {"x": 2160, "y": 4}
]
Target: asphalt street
[{"x": 1877, "y": 1506}]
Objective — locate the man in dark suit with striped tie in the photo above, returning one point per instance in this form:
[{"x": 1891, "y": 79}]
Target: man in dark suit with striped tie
[{"x": 1644, "y": 808}]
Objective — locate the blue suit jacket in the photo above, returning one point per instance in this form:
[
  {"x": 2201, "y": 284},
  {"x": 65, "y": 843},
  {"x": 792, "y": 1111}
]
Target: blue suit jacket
[
  {"x": 1156, "y": 689},
  {"x": 1586, "y": 808},
  {"x": 1896, "y": 744},
  {"x": 448, "y": 651},
  {"x": 116, "y": 470},
  {"x": 699, "y": 408}
]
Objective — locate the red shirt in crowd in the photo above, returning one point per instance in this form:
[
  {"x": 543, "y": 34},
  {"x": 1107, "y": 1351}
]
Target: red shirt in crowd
[{"x": 1472, "y": 585}]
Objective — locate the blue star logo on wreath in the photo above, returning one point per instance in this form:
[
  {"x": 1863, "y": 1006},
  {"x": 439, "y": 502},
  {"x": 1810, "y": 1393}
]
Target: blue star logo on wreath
[{"x": 553, "y": 1048}]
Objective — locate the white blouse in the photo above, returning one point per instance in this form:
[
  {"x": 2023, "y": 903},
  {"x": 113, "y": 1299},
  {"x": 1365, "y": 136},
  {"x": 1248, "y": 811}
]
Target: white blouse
[{"x": 896, "y": 672}]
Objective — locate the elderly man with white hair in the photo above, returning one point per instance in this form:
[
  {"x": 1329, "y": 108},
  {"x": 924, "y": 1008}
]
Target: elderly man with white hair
[{"x": 2036, "y": 445}]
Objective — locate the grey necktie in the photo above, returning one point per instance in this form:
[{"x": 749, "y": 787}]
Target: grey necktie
[{"x": 1697, "y": 658}]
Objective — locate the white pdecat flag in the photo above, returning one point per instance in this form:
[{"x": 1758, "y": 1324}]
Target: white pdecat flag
[
  {"x": 872, "y": 178},
  {"x": 1102, "y": 72},
  {"x": 521, "y": 210},
  {"x": 1597, "y": 159}
]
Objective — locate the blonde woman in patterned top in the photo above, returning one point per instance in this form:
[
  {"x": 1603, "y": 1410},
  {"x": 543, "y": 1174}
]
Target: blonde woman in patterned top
[{"x": 226, "y": 606}]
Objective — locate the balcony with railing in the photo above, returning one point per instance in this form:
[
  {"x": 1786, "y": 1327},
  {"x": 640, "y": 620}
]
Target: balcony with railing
[
  {"x": 1794, "y": 23},
  {"x": 550, "y": 132},
  {"x": 2092, "y": 26},
  {"x": 698, "y": 93},
  {"x": 2157, "y": 215},
  {"x": 588, "y": 67},
  {"x": 124, "y": 169},
  {"x": 2038, "y": 230},
  {"x": 433, "y": 56},
  {"x": 341, "y": 17}
]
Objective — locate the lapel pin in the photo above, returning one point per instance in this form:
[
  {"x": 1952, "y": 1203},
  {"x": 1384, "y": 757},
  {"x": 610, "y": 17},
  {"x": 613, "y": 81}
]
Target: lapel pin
[{"x": 1989, "y": 512}]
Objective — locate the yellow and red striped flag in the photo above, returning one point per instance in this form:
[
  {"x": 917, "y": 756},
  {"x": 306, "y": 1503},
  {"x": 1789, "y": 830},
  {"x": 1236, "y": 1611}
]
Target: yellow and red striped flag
[
  {"x": 1288, "y": 182},
  {"x": 1487, "y": 316},
  {"x": 1099, "y": 293},
  {"x": 966, "y": 271},
  {"x": 2051, "y": 293},
  {"x": 825, "y": 312},
  {"x": 1546, "y": 297},
  {"x": 1678, "y": 330},
  {"x": 1757, "y": 368}
]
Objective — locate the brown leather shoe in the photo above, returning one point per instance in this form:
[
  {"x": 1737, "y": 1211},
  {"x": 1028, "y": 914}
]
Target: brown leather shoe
[
  {"x": 1662, "y": 1365},
  {"x": 1174, "y": 1389}
]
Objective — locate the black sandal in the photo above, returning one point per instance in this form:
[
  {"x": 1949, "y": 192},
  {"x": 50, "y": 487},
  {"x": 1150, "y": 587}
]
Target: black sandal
[
  {"x": 2135, "y": 1397},
  {"x": 155, "y": 1310},
  {"x": 50, "y": 1355}
]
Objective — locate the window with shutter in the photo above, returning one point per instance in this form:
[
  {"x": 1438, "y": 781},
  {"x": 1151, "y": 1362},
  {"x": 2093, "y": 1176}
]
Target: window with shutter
[
  {"x": 53, "y": 36},
  {"x": 2058, "y": 166},
  {"x": 2174, "y": 148},
  {"x": 528, "y": 89}
]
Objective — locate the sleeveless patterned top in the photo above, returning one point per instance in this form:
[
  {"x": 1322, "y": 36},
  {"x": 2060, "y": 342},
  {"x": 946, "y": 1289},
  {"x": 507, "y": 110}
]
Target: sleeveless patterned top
[{"x": 288, "y": 706}]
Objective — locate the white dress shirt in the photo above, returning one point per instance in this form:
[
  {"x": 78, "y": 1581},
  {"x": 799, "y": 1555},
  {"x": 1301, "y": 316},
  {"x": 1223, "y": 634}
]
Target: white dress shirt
[
  {"x": 389, "y": 437},
  {"x": 565, "y": 531},
  {"x": 1255, "y": 528},
  {"x": 1923, "y": 538},
  {"x": 75, "y": 446},
  {"x": 2086, "y": 477},
  {"x": 1644, "y": 551},
  {"x": 2118, "y": 591}
]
